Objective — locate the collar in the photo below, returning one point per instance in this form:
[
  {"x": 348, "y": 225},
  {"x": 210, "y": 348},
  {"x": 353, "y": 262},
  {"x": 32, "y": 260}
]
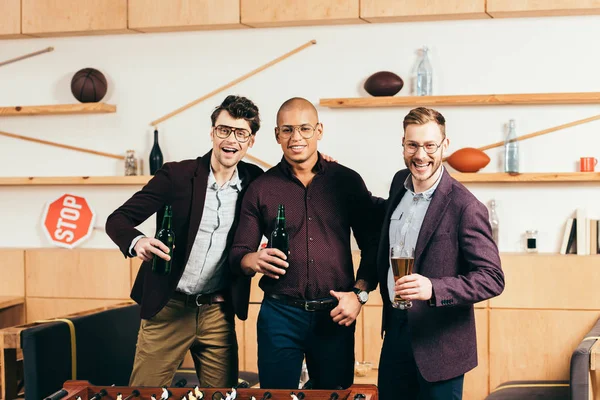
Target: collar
[
  {"x": 319, "y": 167},
  {"x": 235, "y": 182},
  {"x": 408, "y": 185}
]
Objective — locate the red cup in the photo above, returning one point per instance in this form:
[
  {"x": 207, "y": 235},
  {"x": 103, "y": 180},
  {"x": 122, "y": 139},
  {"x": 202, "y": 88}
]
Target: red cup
[{"x": 587, "y": 164}]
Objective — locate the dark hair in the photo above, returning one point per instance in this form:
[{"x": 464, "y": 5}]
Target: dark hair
[
  {"x": 239, "y": 108},
  {"x": 422, "y": 115}
]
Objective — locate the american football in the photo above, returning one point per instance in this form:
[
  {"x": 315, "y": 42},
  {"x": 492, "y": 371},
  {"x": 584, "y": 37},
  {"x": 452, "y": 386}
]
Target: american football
[
  {"x": 383, "y": 83},
  {"x": 468, "y": 159}
]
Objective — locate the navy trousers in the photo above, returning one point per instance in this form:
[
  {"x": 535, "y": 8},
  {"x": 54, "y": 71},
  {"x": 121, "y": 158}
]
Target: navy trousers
[
  {"x": 287, "y": 334},
  {"x": 399, "y": 377}
]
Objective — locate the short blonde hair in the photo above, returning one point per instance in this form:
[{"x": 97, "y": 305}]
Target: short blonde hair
[{"x": 423, "y": 115}]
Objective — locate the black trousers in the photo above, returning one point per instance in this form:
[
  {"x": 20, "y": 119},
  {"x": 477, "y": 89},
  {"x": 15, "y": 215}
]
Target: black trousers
[{"x": 399, "y": 377}]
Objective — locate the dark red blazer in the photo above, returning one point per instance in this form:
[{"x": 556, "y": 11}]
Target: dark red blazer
[
  {"x": 455, "y": 250},
  {"x": 182, "y": 185}
]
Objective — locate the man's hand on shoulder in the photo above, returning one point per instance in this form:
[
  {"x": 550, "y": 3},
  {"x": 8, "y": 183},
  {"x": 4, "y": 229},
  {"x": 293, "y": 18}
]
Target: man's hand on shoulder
[
  {"x": 269, "y": 262},
  {"x": 146, "y": 248},
  {"x": 348, "y": 307},
  {"x": 328, "y": 158}
]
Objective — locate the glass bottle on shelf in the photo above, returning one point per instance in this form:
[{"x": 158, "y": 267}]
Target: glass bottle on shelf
[
  {"x": 424, "y": 75},
  {"x": 494, "y": 222},
  {"x": 130, "y": 163},
  {"x": 156, "y": 157},
  {"x": 531, "y": 238},
  {"x": 511, "y": 150}
]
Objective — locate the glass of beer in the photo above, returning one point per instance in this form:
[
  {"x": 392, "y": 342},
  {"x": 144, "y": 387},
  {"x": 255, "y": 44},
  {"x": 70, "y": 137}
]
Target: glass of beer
[{"x": 402, "y": 260}]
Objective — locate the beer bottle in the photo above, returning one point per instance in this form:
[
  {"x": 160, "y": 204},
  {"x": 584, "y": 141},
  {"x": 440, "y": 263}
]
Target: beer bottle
[
  {"x": 167, "y": 236},
  {"x": 279, "y": 237}
]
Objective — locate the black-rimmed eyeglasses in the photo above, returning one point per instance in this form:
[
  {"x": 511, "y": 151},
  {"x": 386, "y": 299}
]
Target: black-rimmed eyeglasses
[{"x": 241, "y": 135}]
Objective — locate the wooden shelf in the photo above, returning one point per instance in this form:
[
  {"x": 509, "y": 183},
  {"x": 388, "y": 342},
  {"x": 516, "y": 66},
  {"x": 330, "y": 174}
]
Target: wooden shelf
[
  {"x": 82, "y": 108},
  {"x": 542, "y": 177},
  {"x": 9, "y": 301},
  {"x": 75, "y": 180},
  {"x": 464, "y": 100},
  {"x": 498, "y": 177}
]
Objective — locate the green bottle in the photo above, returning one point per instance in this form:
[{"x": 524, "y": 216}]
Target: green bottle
[
  {"x": 167, "y": 236},
  {"x": 279, "y": 237}
]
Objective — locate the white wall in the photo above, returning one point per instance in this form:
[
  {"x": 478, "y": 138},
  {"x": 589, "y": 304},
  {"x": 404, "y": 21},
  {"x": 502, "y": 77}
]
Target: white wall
[{"x": 152, "y": 74}]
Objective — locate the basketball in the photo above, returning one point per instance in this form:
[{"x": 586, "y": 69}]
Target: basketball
[{"x": 88, "y": 85}]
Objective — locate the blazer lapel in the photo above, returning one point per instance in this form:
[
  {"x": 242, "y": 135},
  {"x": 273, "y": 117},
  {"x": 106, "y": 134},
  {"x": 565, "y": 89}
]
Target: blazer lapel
[
  {"x": 437, "y": 208},
  {"x": 198, "y": 183}
]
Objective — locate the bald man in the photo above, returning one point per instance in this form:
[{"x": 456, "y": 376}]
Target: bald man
[{"x": 311, "y": 295}]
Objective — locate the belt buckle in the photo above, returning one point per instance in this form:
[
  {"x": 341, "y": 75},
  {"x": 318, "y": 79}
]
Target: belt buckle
[
  {"x": 307, "y": 306},
  {"x": 197, "y": 297}
]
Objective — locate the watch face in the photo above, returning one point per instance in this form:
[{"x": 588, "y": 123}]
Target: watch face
[{"x": 363, "y": 297}]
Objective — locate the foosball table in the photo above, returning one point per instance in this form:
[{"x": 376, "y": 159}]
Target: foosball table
[{"x": 75, "y": 390}]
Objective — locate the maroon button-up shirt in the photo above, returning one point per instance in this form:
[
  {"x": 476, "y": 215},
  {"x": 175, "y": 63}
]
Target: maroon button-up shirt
[{"x": 318, "y": 220}]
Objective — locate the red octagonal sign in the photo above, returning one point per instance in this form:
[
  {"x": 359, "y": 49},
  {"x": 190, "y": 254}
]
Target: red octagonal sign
[{"x": 68, "y": 221}]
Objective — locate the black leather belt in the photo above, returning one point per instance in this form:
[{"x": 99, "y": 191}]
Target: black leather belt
[
  {"x": 196, "y": 300},
  {"x": 327, "y": 303}
]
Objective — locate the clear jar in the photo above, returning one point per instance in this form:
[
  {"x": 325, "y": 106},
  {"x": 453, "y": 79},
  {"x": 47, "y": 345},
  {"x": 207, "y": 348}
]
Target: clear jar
[
  {"x": 130, "y": 163},
  {"x": 531, "y": 241}
]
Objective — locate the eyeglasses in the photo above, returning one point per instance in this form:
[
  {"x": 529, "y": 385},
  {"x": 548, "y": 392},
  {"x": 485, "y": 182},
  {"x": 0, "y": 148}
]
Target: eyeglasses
[
  {"x": 241, "y": 135},
  {"x": 430, "y": 147},
  {"x": 307, "y": 131}
]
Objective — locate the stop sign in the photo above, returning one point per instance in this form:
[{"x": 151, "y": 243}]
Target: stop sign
[{"x": 68, "y": 221}]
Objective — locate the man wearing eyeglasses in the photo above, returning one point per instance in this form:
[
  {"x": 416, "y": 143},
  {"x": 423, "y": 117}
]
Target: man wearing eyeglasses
[
  {"x": 429, "y": 347},
  {"x": 311, "y": 296},
  {"x": 192, "y": 308}
]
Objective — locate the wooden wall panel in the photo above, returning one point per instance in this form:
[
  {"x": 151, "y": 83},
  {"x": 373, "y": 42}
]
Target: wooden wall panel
[
  {"x": 549, "y": 281},
  {"x": 421, "y": 10},
  {"x": 256, "y": 293},
  {"x": 263, "y": 13},
  {"x": 188, "y": 362},
  {"x": 38, "y": 308},
  {"x": 179, "y": 15},
  {"x": 250, "y": 341},
  {"x": 10, "y": 19},
  {"x": 12, "y": 271},
  {"x": 359, "y": 342},
  {"x": 85, "y": 274},
  {"x": 135, "y": 264},
  {"x": 535, "y": 344},
  {"x": 595, "y": 383},
  {"x": 476, "y": 386},
  {"x": 73, "y": 17},
  {"x": 372, "y": 334},
  {"x": 241, "y": 338},
  {"x": 537, "y": 8}
]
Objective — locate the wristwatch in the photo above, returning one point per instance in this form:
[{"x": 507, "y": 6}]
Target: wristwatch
[{"x": 363, "y": 295}]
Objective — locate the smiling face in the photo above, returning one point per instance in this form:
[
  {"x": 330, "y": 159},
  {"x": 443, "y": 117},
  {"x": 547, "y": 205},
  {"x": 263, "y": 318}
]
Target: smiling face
[
  {"x": 228, "y": 152},
  {"x": 297, "y": 150},
  {"x": 425, "y": 168}
]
